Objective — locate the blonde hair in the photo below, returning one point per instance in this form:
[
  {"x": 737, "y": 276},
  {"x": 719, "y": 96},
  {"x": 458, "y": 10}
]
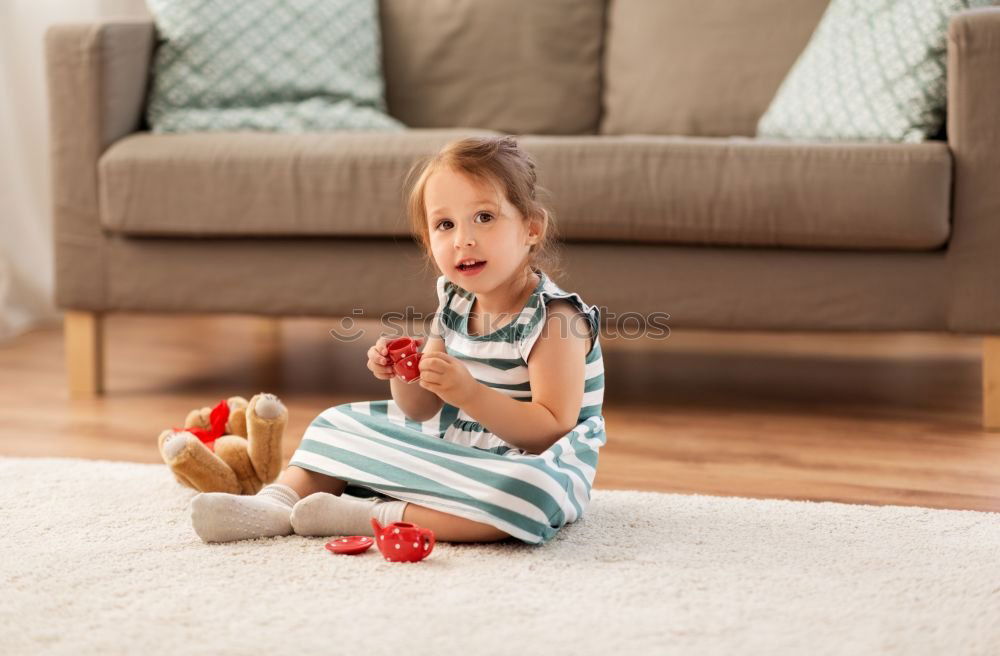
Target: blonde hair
[{"x": 496, "y": 160}]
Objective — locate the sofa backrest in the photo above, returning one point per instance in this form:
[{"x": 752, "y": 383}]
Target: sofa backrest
[
  {"x": 699, "y": 67},
  {"x": 518, "y": 66},
  {"x": 690, "y": 67}
]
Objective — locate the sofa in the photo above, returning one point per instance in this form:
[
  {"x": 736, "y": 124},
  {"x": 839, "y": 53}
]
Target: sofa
[{"x": 641, "y": 115}]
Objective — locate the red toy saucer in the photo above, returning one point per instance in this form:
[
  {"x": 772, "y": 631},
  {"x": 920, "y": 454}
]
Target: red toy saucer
[{"x": 352, "y": 544}]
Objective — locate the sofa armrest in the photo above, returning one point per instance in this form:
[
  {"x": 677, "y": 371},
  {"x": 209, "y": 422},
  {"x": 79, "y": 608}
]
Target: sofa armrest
[
  {"x": 98, "y": 73},
  {"x": 97, "y": 76},
  {"x": 974, "y": 137}
]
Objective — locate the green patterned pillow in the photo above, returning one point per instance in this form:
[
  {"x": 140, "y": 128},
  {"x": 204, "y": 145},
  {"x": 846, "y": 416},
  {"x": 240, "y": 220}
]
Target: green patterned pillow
[
  {"x": 282, "y": 65},
  {"x": 873, "y": 70}
]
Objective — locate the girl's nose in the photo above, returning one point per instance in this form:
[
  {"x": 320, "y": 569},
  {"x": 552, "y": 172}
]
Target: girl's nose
[{"x": 463, "y": 239}]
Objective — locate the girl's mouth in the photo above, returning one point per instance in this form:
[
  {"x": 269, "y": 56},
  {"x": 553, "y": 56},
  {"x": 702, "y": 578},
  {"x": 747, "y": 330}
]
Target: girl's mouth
[{"x": 471, "y": 268}]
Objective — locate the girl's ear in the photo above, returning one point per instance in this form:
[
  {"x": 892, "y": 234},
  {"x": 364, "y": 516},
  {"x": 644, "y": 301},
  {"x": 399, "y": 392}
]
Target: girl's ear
[{"x": 537, "y": 226}]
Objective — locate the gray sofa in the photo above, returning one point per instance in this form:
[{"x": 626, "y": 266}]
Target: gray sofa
[{"x": 641, "y": 116}]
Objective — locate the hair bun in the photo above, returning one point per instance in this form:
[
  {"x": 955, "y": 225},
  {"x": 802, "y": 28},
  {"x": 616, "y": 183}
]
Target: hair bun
[{"x": 508, "y": 140}]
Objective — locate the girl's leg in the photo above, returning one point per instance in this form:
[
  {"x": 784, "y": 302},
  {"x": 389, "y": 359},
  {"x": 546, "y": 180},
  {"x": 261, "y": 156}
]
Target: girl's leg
[
  {"x": 221, "y": 517},
  {"x": 329, "y": 514},
  {"x": 449, "y": 528},
  {"x": 306, "y": 482}
]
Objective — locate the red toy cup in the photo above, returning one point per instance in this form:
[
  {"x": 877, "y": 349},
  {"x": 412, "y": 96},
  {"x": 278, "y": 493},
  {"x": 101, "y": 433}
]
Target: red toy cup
[
  {"x": 405, "y": 358},
  {"x": 400, "y": 347},
  {"x": 409, "y": 367},
  {"x": 403, "y": 542}
]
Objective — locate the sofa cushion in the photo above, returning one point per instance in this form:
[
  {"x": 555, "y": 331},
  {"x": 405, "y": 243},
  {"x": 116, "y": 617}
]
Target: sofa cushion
[
  {"x": 734, "y": 191},
  {"x": 699, "y": 67},
  {"x": 748, "y": 192},
  {"x": 518, "y": 66},
  {"x": 872, "y": 70},
  {"x": 257, "y": 183},
  {"x": 297, "y": 66}
]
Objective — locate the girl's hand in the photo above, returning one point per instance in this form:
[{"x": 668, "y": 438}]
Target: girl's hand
[
  {"x": 448, "y": 377},
  {"x": 378, "y": 358}
]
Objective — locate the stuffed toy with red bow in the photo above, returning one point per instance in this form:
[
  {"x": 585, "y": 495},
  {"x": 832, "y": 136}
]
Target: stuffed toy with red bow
[{"x": 234, "y": 447}]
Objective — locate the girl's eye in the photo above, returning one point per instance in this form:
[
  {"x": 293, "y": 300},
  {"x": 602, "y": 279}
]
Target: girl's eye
[{"x": 444, "y": 224}]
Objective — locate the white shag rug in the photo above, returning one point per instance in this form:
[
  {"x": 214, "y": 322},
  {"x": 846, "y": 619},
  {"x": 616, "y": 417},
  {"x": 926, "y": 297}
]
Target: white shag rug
[{"x": 99, "y": 557}]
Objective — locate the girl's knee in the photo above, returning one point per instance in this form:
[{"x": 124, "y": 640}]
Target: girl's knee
[
  {"x": 496, "y": 535},
  {"x": 485, "y": 532},
  {"x": 305, "y": 481}
]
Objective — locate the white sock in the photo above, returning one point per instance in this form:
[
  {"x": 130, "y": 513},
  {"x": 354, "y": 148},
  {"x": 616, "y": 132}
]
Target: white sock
[
  {"x": 326, "y": 514},
  {"x": 221, "y": 517}
]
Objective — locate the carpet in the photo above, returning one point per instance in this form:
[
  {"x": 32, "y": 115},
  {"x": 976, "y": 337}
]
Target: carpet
[{"x": 99, "y": 557}]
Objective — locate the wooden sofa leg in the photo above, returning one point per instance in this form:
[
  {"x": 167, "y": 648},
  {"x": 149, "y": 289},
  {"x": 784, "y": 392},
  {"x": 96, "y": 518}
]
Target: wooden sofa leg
[
  {"x": 84, "y": 342},
  {"x": 991, "y": 382}
]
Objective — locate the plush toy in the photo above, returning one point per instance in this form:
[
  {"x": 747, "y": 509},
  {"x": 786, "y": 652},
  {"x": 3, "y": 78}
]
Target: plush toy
[{"x": 234, "y": 447}]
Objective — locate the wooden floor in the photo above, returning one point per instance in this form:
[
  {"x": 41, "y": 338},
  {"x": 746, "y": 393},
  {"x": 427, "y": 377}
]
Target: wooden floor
[{"x": 859, "y": 418}]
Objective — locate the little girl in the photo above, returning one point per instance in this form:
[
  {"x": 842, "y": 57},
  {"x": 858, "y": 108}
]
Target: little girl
[{"x": 500, "y": 436}]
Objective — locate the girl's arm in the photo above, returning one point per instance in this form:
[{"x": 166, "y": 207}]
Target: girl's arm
[
  {"x": 557, "y": 372},
  {"x": 416, "y": 402}
]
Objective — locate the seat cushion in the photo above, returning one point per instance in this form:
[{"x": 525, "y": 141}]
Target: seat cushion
[
  {"x": 257, "y": 183},
  {"x": 748, "y": 192},
  {"x": 733, "y": 191}
]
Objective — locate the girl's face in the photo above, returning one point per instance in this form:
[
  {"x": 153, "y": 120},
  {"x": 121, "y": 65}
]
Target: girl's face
[{"x": 466, "y": 224}]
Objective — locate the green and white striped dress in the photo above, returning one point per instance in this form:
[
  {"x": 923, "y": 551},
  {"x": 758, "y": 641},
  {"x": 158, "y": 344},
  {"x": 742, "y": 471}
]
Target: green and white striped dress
[{"x": 451, "y": 462}]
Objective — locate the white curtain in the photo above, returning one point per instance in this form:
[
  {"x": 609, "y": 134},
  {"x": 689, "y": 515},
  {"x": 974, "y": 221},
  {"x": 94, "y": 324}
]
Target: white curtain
[{"x": 26, "y": 262}]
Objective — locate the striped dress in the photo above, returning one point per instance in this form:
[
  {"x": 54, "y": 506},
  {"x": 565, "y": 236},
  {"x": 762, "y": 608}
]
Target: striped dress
[{"x": 454, "y": 464}]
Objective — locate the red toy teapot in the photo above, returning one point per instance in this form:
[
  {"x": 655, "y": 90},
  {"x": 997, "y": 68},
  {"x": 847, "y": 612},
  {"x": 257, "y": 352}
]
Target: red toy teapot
[{"x": 403, "y": 541}]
